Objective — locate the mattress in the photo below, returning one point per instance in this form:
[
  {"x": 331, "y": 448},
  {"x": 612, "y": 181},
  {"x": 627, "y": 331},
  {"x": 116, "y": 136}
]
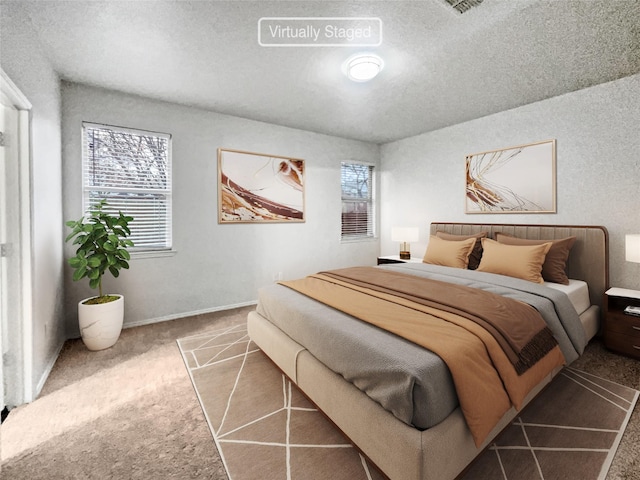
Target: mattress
[
  {"x": 409, "y": 381},
  {"x": 577, "y": 291}
]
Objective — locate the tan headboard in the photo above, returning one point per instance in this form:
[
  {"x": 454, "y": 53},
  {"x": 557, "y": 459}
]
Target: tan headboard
[{"x": 589, "y": 257}]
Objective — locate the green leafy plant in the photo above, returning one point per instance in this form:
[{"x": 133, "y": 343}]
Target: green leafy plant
[{"x": 102, "y": 240}]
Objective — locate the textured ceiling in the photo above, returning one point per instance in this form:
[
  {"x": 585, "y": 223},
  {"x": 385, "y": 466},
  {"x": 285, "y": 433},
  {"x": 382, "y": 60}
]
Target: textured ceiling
[{"x": 441, "y": 67}]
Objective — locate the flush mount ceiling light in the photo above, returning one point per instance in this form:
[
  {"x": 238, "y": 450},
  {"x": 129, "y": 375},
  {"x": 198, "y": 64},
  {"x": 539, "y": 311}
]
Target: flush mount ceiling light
[{"x": 362, "y": 67}]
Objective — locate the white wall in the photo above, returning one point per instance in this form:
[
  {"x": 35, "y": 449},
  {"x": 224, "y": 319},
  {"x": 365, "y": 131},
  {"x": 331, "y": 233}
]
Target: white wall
[
  {"x": 598, "y": 168},
  {"x": 26, "y": 64},
  {"x": 215, "y": 266}
]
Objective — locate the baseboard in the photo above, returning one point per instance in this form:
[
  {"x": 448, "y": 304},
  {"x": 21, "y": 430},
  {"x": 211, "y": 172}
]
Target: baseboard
[{"x": 148, "y": 321}]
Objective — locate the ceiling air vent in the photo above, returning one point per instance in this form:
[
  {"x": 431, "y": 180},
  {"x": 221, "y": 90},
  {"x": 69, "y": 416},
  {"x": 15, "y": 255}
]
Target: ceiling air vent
[{"x": 462, "y": 6}]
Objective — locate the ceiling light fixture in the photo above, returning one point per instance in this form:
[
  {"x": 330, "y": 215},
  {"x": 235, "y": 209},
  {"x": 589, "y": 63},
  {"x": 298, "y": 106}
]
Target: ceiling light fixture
[{"x": 362, "y": 67}]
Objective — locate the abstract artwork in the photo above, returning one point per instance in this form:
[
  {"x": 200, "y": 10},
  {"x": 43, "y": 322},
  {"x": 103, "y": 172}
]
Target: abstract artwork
[
  {"x": 519, "y": 179},
  {"x": 254, "y": 187}
]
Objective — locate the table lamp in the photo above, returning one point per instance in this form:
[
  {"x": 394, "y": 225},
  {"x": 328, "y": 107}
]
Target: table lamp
[{"x": 404, "y": 235}]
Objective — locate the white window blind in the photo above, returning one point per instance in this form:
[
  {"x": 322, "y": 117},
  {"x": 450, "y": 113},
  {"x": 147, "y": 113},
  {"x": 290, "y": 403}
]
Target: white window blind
[
  {"x": 358, "y": 205},
  {"x": 131, "y": 170}
]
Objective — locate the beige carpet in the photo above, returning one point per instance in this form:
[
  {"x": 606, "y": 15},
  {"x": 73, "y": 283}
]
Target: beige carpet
[
  {"x": 130, "y": 412},
  {"x": 127, "y": 412},
  {"x": 572, "y": 430}
]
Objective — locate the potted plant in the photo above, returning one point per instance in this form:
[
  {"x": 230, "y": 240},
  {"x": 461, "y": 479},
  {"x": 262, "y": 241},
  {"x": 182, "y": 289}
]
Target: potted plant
[{"x": 102, "y": 246}]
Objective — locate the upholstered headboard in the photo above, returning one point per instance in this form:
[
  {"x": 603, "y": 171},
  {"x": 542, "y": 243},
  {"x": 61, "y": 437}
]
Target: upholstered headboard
[{"x": 589, "y": 257}]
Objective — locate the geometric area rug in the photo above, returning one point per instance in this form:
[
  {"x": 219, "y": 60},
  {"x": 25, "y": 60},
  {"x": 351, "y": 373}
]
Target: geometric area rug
[
  {"x": 264, "y": 428},
  {"x": 570, "y": 431}
]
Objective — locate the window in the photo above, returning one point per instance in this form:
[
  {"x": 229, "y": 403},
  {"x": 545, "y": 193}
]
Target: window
[
  {"x": 358, "y": 206},
  {"x": 131, "y": 170}
]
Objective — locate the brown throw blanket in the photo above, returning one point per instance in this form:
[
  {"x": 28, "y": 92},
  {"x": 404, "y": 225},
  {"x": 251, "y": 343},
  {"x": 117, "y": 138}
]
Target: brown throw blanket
[
  {"x": 525, "y": 342},
  {"x": 496, "y": 348}
]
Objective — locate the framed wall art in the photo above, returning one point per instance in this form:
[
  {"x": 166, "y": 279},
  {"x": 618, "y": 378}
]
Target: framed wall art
[
  {"x": 520, "y": 179},
  {"x": 255, "y": 187}
]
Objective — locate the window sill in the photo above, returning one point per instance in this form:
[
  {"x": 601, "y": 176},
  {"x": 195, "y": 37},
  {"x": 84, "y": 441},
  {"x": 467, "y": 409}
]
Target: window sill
[
  {"x": 152, "y": 254},
  {"x": 358, "y": 239}
]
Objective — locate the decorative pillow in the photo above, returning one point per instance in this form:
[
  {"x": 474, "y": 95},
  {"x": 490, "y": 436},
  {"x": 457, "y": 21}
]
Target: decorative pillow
[
  {"x": 476, "y": 253},
  {"x": 519, "y": 261},
  {"x": 449, "y": 253},
  {"x": 554, "y": 268}
]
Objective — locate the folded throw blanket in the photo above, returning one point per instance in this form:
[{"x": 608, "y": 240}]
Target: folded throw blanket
[{"x": 524, "y": 342}]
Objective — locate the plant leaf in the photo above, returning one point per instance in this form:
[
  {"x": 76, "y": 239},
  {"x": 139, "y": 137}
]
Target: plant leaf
[
  {"x": 94, "y": 261},
  {"x": 79, "y": 273},
  {"x": 77, "y": 262},
  {"x": 79, "y": 239}
]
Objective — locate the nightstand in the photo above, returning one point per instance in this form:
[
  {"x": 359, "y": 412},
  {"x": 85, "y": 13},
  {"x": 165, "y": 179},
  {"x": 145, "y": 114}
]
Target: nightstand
[
  {"x": 621, "y": 331},
  {"x": 397, "y": 259}
]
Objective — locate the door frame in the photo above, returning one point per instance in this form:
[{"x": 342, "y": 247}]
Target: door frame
[{"x": 24, "y": 373}]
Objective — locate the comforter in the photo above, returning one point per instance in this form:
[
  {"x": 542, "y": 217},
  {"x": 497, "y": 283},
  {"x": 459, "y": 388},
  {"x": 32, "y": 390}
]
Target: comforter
[{"x": 477, "y": 382}]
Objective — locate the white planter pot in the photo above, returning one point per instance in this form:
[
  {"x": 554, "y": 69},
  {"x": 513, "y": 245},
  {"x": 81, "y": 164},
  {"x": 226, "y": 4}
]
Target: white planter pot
[{"x": 100, "y": 324}]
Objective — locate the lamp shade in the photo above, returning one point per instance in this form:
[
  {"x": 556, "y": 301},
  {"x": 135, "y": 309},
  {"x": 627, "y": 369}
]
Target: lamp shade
[
  {"x": 632, "y": 248},
  {"x": 404, "y": 234}
]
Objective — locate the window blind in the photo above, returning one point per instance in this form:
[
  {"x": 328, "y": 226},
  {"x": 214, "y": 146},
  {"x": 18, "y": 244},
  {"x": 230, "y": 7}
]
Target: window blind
[
  {"x": 131, "y": 170},
  {"x": 358, "y": 206}
]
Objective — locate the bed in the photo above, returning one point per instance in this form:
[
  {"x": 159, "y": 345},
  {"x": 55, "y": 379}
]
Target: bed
[{"x": 420, "y": 446}]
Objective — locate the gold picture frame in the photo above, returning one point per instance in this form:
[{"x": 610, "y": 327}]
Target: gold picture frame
[
  {"x": 520, "y": 179},
  {"x": 257, "y": 187}
]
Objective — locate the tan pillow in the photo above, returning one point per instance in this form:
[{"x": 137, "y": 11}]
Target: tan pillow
[
  {"x": 476, "y": 253},
  {"x": 554, "y": 268},
  {"x": 520, "y": 261},
  {"x": 449, "y": 253}
]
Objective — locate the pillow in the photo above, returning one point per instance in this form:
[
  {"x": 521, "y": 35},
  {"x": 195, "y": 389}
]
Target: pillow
[
  {"x": 449, "y": 253},
  {"x": 476, "y": 253},
  {"x": 554, "y": 268},
  {"x": 519, "y": 261}
]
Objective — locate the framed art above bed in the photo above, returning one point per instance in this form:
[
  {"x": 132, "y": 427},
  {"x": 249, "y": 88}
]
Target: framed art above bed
[{"x": 520, "y": 179}]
